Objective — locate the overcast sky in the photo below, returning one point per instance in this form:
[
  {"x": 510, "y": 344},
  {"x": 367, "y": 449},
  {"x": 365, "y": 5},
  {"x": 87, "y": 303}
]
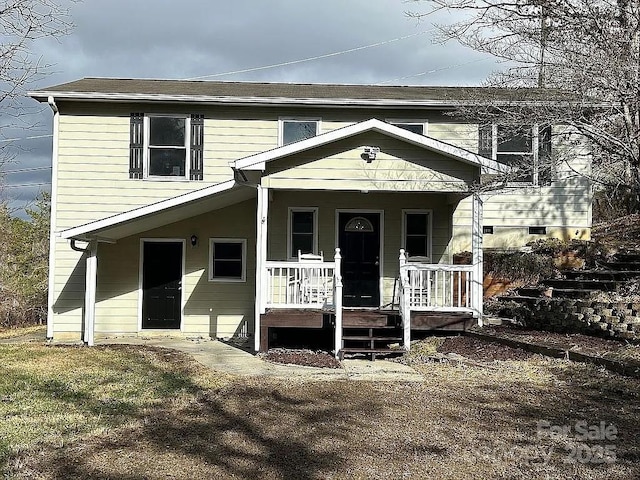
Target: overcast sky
[{"x": 202, "y": 38}]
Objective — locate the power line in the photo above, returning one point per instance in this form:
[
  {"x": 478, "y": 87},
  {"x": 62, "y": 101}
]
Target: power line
[
  {"x": 449, "y": 67},
  {"x": 25, "y": 170},
  {"x": 310, "y": 59},
  {"x": 23, "y": 185},
  {"x": 3, "y": 140}
]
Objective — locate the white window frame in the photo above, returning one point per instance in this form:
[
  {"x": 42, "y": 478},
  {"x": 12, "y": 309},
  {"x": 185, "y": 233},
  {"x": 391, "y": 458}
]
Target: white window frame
[
  {"x": 535, "y": 150},
  {"x": 397, "y": 121},
  {"x": 283, "y": 120},
  {"x": 187, "y": 141},
  {"x": 290, "y": 213},
  {"x": 403, "y": 238},
  {"x": 242, "y": 241}
]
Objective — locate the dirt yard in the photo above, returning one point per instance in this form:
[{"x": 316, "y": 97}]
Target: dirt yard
[{"x": 149, "y": 413}]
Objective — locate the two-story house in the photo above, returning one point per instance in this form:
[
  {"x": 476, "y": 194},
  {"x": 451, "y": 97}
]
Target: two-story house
[{"x": 233, "y": 209}]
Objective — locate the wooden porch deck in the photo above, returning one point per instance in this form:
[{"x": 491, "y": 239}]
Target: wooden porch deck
[{"x": 370, "y": 326}]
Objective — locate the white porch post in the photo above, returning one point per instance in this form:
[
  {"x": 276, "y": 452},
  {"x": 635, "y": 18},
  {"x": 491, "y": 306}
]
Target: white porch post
[
  {"x": 405, "y": 308},
  {"x": 337, "y": 302},
  {"x": 90, "y": 292},
  {"x": 476, "y": 255},
  {"x": 262, "y": 212}
]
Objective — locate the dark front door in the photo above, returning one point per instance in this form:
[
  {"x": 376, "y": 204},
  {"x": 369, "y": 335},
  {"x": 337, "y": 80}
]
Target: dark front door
[
  {"x": 161, "y": 284},
  {"x": 359, "y": 242}
]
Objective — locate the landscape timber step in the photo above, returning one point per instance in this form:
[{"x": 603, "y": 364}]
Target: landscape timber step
[
  {"x": 530, "y": 292},
  {"x": 601, "y": 274},
  {"x": 621, "y": 266},
  {"x": 367, "y": 338},
  {"x": 369, "y": 351},
  {"x": 629, "y": 257},
  {"x": 573, "y": 292},
  {"x": 602, "y": 285}
]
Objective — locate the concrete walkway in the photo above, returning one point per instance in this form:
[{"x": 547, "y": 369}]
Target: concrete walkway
[{"x": 226, "y": 358}]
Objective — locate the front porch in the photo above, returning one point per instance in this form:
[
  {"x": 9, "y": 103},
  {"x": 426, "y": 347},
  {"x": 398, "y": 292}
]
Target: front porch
[{"x": 426, "y": 297}]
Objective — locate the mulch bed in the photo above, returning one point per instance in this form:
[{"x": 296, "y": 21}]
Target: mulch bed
[
  {"x": 570, "y": 341},
  {"x": 480, "y": 350},
  {"x": 307, "y": 358}
]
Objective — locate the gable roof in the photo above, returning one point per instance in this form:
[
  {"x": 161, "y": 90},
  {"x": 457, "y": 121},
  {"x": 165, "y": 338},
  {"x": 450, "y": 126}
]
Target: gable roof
[
  {"x": 337, "y": 95},
  {"x": 161, "y": 213},
  {"x": 258, "y": 161}
]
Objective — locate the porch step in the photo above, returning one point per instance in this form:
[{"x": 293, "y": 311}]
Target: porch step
[
  {"x": 369, "y": 351},
  {"x": 367, "y": 338}
]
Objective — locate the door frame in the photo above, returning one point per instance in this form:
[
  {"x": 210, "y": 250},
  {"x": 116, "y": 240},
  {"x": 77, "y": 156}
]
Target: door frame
[
  {"x": 381, "y": 254},
  {"x": 140, "y": 274}
]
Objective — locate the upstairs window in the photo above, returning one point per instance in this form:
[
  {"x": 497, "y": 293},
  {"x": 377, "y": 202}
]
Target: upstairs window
[
  {"x": 411, "y": 126},
  {"x": 526, "y": 148},
  {"x": 295, "y": 130},
  {"x": 166, "y": 146}
]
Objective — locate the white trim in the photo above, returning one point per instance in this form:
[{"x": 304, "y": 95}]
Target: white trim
[
  {"x": 89, "y": 229},
  {"x": 147, "y": 147},
  {"x": 52, "y": 229},
  {"x": 183, "y": 300},
  {"x": 282, "y": 120},
  {"x": 257, "y": 161},
  {"x": 277, "y": 101},
  {"x": 290, "y": 211},
  {"x": 380, "y": 253},
  {"x": 243, "y": 277},
  {"x": 90, "y": 288},
  {"x": 406, "y": 121},
  {"x": 403, "y": 237}
]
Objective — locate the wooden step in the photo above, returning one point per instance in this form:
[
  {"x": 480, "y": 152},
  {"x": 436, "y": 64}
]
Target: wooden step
[
  {"x": 364, "y": 337},
  {"x": 601, "y": 274},
  {"x": 621, "y": 266},
  {"x": 572, "y": 292},
  {"x": 603, "y": 285},
  {"x": 369, "y": 351}
]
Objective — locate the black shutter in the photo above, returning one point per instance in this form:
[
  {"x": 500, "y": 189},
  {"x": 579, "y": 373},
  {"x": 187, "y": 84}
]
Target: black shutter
[
  {"x": 136, "y": 146},
  {"x": 196, "y": 169},
  {"x": 546, "y": 167},
  {"x": 485, "y": 141}
]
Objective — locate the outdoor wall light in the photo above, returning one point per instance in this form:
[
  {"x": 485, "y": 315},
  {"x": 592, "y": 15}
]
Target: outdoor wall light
[
  {"x": 370, "y": 153},
  {"x": 194, "y": 240}
]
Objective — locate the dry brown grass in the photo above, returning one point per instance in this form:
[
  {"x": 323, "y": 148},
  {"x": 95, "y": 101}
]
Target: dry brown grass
[
  {"x": 471, "y": 422},
  {"x": 22, "y": 331}
]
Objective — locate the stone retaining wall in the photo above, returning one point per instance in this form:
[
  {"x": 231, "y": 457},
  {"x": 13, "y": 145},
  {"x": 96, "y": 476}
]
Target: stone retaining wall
[{"x": 617, "y": 319}]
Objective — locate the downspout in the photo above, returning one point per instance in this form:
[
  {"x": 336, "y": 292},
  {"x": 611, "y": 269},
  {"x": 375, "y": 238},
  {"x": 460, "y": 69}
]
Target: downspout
[{"x": 52, "y": 223}]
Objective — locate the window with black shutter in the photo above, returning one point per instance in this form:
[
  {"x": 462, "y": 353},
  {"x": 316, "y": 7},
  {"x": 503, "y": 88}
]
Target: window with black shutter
[{"x": 166, "y": 146}]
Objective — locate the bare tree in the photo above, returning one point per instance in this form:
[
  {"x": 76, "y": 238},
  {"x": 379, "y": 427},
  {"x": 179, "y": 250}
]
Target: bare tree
[
  {"x": 24, "y": 23},
  {"x": 585, "y": 54}
]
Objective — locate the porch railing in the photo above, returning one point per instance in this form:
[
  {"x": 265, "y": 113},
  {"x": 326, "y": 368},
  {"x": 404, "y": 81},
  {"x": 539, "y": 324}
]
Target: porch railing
[
  {"x": 437, "y": 287},
  {"x": 299, "y": 284}
]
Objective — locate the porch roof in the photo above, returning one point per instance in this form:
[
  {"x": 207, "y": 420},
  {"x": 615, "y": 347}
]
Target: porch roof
[
  {"x": 258, "y": 161},
  {"x": 161, "y": 213}
]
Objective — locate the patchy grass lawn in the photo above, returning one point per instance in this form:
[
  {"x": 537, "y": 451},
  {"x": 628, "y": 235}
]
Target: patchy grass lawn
[
  {"x": 134, "y": 412},
  {"x": 21, "y": 331}
]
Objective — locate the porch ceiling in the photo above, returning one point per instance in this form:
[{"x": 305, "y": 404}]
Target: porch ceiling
[{"x": 161, "y": 213}]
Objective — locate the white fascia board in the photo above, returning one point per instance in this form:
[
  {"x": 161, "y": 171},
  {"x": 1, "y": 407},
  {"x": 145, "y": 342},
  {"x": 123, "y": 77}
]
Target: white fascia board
[
  {"x": 87, "y": 229},
  {"x": 212, "y": 99},
  {"x": 258, "y": 161}
]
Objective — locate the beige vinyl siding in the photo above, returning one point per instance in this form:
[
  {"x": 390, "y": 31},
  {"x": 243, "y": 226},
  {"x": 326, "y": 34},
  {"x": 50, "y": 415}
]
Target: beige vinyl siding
[
  {"x": 93, "y": 164},
  {"x": 462, "y": 135},
  {"x": 391, "y": 204},
  {"x": 398, "y": 166},
  {"x": 564, "y": 207}
]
